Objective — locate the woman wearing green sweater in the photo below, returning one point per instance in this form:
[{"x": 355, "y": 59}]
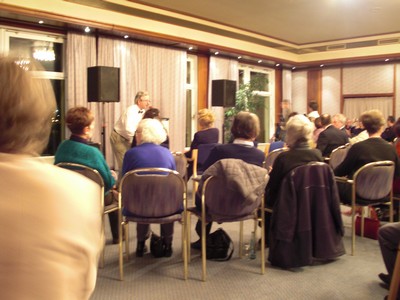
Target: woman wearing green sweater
[{"x": 80, "y": 122}]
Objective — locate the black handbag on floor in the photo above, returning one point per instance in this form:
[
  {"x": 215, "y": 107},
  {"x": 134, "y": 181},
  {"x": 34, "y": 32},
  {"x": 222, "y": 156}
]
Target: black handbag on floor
[
  {"x": 157, "y": 247},
  {"x": 219, "y": 246}
]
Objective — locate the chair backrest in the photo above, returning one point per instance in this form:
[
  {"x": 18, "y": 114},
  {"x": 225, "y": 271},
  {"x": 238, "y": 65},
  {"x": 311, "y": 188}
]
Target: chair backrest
[
  {"x": 86, "y": 171},
  {"x": 224, "y": 191},
  {"x": 338, "y": 155},
  {"x": 152, "y": 192},
  {"x": 181, "y": 163},
  {"x": 270, "y": 158},
  {"x": 374, "y": 180}
]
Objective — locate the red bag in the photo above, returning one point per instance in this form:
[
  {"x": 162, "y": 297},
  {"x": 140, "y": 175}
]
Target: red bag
[{"x": 371, "y": 225}]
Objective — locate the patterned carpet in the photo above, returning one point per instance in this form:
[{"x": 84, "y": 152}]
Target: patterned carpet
[{"x": 349, "y": 277}]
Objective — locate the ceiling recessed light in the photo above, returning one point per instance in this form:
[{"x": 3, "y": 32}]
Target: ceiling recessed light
[
  {"x": 239, "y": 57},
  {"x": 260, "y": 61},
  {"x": 321, "y": 65},
  {"x": 387, "y": 59},
  {"x": 277, "y": 65},
  {"x": 41, "y": 22},
  {"x": 190, "y": 48},
  {"x": 87, "y": 29},
  {"x": 216, "y": 53},
  {"x": 293, "y": 68},
  {"x": 126, "y": 36}
]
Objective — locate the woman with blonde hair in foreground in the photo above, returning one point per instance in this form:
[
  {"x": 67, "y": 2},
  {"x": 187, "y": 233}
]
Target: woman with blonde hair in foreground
[{"x": 50, "y": 218}]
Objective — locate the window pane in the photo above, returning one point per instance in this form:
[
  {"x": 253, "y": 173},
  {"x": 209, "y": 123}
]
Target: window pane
[
  {"x": 49, "y": 54},
  {"x": 260, "y": 78},
  {"x": 56, "y": 134},
  {"x": 188, "y": 118},
  {"x": 188, "y": 72}
]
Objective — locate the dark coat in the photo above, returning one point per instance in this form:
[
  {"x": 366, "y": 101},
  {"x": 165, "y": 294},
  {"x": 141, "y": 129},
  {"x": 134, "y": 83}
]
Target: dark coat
[
  {"x": 306, "y": 220},
  {"x": 330, "y": 139}
]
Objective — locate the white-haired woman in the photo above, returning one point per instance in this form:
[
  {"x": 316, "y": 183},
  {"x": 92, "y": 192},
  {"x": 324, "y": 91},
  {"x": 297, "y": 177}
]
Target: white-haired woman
[
  {"x": 299, "y": 131},
  {"x": 149, "y": 154}
]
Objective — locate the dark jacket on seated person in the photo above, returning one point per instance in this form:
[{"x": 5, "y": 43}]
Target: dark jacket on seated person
[
  {"x": 246, "y": 152},
  {"x": 330, "y": 139}
]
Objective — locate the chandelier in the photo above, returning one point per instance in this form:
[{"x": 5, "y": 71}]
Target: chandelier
[{"x": 43, "y": 51}]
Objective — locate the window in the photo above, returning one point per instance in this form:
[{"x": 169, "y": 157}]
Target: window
[
  {"x": 191, "y": 98},
  {"x": 266, "y": 112},
  {"x": 49, "y": 52}
]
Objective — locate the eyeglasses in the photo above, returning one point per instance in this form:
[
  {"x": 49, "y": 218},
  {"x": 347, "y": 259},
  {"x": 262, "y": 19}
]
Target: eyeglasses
[{"x": 145, "y": 100}]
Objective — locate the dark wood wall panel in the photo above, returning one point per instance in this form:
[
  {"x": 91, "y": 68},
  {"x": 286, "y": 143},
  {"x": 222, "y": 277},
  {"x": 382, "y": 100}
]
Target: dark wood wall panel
[
  {"x": 314, "y": 87},
  {"x": 202, "y": 79},
  {"x": 278, "y": 93}
]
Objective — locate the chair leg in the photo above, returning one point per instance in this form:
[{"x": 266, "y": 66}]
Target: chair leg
[
  {"x": 121, "y": 257},
  {"x": 353, "y": 229},
  {"x": 203, "y": 248},
  {"x": 188, "y": 238},
  {"x": 241, "y": 239},
  {"x": 395, "y": 283},
  {"x": 103, "y": 243},
  {"x": 184, "y": 247},
  {"x": 262, "y": 242},
  {"x": 126, "y": 228}
]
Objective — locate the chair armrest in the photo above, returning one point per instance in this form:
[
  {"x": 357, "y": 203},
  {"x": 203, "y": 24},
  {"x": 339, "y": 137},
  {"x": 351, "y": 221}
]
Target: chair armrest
[
  {"x": 197, "y": 178},
  {"x": 343, "y": 179}
]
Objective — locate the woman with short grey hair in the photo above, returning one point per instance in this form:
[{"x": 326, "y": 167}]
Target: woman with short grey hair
[{"x": 149, "y": 154}]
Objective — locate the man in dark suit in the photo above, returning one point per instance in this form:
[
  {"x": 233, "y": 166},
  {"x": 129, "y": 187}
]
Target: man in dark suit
[{"x": 331, "y": 137}]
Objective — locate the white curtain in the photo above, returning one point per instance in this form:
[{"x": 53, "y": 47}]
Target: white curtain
[
  {"x": 160, "y": 71},
  {"x": 354, "y": 107},
  {"x": 221, "y": 68}
]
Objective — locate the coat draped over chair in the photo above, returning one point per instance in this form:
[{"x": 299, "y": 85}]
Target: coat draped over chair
[{"x": 306, "y": 220}]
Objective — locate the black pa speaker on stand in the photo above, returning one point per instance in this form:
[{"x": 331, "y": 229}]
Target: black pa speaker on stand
[
  {"x": 103, "y": 86},
  {"x": 223, "y": 93}
]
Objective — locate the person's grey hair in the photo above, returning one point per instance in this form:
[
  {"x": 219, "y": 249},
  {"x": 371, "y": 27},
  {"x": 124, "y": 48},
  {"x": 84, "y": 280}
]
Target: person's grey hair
[
  {"x": 27, "y": 108},
  {"x": 139, "y": 95},
  {"x": 341, "y": 118},
  {"x": 299, "y": 129},
  {"x": 152, "y": 131}
]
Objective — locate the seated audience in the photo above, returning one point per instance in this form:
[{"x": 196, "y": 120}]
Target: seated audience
[
  {"x": 389, "y": 239},
  {"x": 372, "y": 149},
  {"x": 318, "y": 129},
  {"x": 396, "y": 182},
  {"x": 339, "y": 121},
  {"x": 80, "y": 121},
  {"x": 331, "y": 137},
  {"x": 207, "y": 134},
  {"x": 245, "y": 129},
  {"x": 388, "y": 134},
  {"x": 149, "y": 154},
  {"x": 298, "y": 133},
  {"x": 152, "y": 113},
  {"x": 50, "y": 224}
]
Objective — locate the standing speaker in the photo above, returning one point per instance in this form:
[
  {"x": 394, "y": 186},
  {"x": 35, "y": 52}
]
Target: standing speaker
[
  {"x": 103, "y": 84},
  {"x": 223, "y": 93}
]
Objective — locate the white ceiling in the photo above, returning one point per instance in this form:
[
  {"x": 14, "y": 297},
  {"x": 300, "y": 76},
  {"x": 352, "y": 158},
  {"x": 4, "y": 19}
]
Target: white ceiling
[{"x": 296, "y": 21}]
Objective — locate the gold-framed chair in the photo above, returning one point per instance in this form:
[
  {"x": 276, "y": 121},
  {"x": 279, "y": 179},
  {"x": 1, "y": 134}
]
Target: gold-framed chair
[
  {"x": 217, "y": 207},
  {"x": 270, "y": 157},
  {"x": 198, "y": 158},
  {"x": 371, "y": 185},
  {"x": 338, "y": 154},
  {"x": 181, "y": 164},
  {"x": 153, "y": 196},
  {"x": 94, "y": 175},
  {"x": 395, "y": 282}
]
